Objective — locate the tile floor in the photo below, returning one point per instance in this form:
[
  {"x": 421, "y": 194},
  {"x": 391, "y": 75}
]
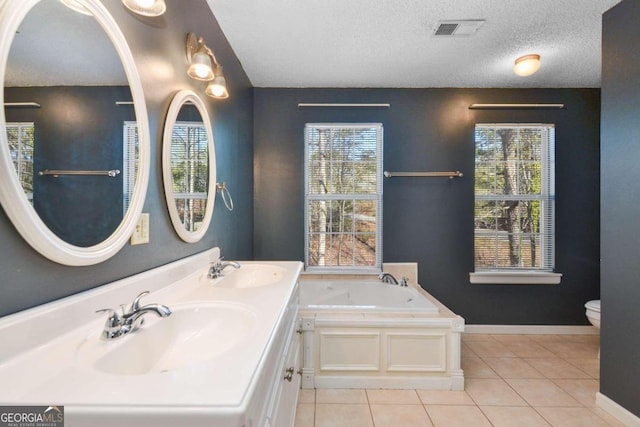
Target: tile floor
[{"x": 510, "y": 380}]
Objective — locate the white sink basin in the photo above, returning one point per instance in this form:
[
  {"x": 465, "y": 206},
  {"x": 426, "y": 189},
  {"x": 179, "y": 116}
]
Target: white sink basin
[
  {"x": 251, "y": 276},
  {"x": 194, "y": 333}
]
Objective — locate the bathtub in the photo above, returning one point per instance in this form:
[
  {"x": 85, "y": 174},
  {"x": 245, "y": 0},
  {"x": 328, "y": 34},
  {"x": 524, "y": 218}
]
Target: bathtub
[
  {"x": 364, "y": 296},
  {"x": 368, "y": 334}
]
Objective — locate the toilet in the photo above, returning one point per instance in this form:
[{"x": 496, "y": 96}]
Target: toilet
[{"x": 593, "y": 312}]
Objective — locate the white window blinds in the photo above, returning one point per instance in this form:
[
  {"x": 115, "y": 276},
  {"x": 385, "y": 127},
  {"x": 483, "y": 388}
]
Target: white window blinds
[
  {"x": 21, "y": 146},
  {"x": 129, "y": 162},
  {"x": 343, "y": 196},
  {"x": 514, "y": 197}
]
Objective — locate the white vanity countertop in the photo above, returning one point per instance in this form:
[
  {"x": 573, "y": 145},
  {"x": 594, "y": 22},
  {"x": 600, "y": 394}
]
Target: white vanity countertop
[{"x": 48, "y": 371}]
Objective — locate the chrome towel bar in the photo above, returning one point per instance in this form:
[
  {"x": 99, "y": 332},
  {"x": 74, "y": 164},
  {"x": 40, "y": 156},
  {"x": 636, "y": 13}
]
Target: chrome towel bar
[
  {"x": 56, "y": 173},
  {"x": 450, "y": 175}
]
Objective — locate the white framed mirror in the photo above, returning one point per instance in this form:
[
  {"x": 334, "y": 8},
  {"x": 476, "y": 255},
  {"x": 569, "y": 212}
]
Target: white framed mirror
[
  {"x": 53, "y": 187},
  {"x": 189, "y": 166}
]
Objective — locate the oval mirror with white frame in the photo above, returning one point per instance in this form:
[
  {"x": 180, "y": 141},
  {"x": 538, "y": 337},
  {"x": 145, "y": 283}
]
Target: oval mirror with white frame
[
  {"x": 189, "y": 166},
  {"x": 70, "y": 47}
]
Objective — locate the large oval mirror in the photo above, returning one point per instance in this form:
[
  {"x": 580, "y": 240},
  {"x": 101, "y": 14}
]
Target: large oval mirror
[
  {"x": 74, "y": 133},
  {"x": 189, "y": 166}
]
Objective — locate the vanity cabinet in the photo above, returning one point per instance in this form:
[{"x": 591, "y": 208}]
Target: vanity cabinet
[
  {"x": 274, "y": 402},
  {"x": 228, "y": 356}
]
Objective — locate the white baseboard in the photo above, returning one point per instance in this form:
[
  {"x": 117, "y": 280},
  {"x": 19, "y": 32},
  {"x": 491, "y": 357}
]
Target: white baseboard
[
  {"x": 617, "y": 411},
  {"x": 532, "y": 329}
]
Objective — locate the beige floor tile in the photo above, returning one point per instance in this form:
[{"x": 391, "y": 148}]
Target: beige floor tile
[
  {"x": 509, "y": 416},
  {"x": 341, "y": 396},
  {"x": 528, "y": 349},
  {"x": 492, "y": 392},
  {"x": 474, "y": 367},
  {"x": 456, "y": 416},
  {"x": 589, "y": 366},
  {"x": 573, "y": 349},
  {"x": 556, "y": 368},
  {"x": 398, "y": 397},
  {"x": 445, "y": 397},
  {"x": 465, "y": 351},
  {"x": 512, "y": 367},
  {"x": 571, "y": 417},
  {"x": 338, "y": 415},
  {"x": 489, "y": 349},
  {"x": 505, "y": 338},
  {"x": 591, "y": 339},
  {"x": 477, "y": 337},
  {"x": 305, "y": 414},
  {"x": 549, "y": 338},
  {"x": 400, "y": 415},
  {"x": 611, "y": 420},
  {"x": 584, "y": 391},
  {"x": 542, "y": 392},
  {"x": 307, "y": 396}
]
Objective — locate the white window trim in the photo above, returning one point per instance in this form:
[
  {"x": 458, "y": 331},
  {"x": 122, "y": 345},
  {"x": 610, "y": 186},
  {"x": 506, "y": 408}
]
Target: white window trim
[
  {"x": 379, "y": 164},
  {"x": 515, "y": 278}
]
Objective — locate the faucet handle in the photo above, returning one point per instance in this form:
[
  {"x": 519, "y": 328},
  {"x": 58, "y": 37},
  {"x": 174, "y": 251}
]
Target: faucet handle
[
  {"x": 113, "y": 319},
  {"x": 136, "y": 302}
]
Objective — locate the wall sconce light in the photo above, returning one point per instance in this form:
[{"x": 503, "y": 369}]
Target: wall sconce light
[
  {"x": 527, "y": 65},
  {"x": 146, "y": 7},
  {"x": 204, "y": 66}
]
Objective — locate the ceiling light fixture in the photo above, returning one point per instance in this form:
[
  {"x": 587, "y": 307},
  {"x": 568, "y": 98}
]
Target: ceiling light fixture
[
  {"x": 527, "y": 65},
  {"x": 146, "y": 7},
  {"x": 204, "y": 66}
]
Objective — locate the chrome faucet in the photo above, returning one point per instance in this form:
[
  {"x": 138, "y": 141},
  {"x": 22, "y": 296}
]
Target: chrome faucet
[
  {"x": 388, "y": 278},
  {"x": 217, "y": 268},
  {"x": 118, "y": 325}
]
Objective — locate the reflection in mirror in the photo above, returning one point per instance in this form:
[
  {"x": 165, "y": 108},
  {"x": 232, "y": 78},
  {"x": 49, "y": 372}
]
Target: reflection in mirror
[
  {"x": 74, "y": 134},
  {"x": 189, "y": 166}
]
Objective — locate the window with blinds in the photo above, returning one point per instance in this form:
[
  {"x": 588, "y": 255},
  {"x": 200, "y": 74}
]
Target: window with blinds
[
  {"x": 343, "y": 197},
  {"x": 514, "y": 197},
  {"x": 129, "y": 162},
  {"x": 190, "y": 172},
  {"x": 21, "y": 147}
]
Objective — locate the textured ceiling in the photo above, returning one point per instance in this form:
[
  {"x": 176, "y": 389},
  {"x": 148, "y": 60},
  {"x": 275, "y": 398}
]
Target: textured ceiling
[{"x": 389, "y": 43}]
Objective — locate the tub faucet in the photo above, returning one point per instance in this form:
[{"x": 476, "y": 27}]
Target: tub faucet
[
  {"x": 118, "y": 325},
  {"x": 388, "y": 278},
  {"x": 217, "y": 267}
]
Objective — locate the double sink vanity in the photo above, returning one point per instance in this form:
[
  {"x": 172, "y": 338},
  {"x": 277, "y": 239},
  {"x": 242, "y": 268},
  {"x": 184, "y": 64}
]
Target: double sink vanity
[{"x": 226, "y": 355}]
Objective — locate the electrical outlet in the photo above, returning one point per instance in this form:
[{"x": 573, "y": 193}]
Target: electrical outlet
[{"x": 141, "y": 233}]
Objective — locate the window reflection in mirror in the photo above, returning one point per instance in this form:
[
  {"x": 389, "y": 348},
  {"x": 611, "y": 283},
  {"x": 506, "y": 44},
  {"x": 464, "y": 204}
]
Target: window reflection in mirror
[
  {"x": 190, "y": 167},
  {"x": 65, "y": 62}
]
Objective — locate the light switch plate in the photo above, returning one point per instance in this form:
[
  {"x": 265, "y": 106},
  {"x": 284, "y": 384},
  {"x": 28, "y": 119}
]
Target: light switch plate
[{"x": 141, "y": 233}]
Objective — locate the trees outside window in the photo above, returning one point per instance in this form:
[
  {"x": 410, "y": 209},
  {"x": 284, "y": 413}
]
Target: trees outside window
[{"x": 21, "y": 146}]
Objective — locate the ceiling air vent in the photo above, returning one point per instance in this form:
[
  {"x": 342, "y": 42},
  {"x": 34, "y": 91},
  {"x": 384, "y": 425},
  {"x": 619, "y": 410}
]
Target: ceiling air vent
[{"x": 464, "y": 27}]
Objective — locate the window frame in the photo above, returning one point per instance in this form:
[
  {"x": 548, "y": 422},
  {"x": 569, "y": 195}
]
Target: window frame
[
  {"x": 526, "y": 275},
  {"x": 377, "y": 197}
]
